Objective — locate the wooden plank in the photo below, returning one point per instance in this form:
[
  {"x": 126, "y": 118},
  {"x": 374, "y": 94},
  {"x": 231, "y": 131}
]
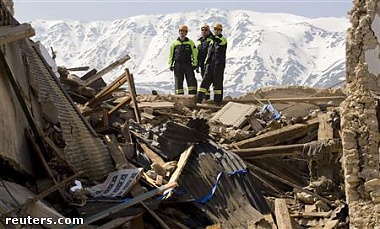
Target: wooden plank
[
  {"x": 83, "y": 68},
  {"x": 291, "y": 184},
  {"x": 282, "y": 214},
  {"x": 106, "y": 70},
  {"x": 278, "y": 151},
  {"x": 126, "y": 132},
  {"x": 325, "y": 130},
  {"x": 269, "y": 151},
  {"x": 58, "y": 152},
  {"x": 312, "y": 214},
  {"x": 159, "y": 180},
  {"x": 14, "y": 33},
  {"x": 208, "y": 106},
  {"x": 180, "y": 166},
  {"x": 132, "y": 91},
  {"x": 148, "y": 116},
  {"x": 122, "y": 103},
  {"x": 45, "y": 165},
  {"x": 116, "y": 152},
  {"x": 157, "y": 105},
  {"x": 123, "y": 205},
  {"x": 152, "y": 155},
  {"x": 275, "y": 137},
  {"x": 118, "y": 82},
  {"x": 294, "y": 99}
]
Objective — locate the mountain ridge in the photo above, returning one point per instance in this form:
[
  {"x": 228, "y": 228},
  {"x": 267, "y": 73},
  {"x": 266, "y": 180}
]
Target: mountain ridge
[{"x": 264, "y": 49}]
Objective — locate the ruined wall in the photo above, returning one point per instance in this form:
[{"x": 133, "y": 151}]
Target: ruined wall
[
  {"x": 360, "y": 136},
  {"x": 14, "y": 148}
]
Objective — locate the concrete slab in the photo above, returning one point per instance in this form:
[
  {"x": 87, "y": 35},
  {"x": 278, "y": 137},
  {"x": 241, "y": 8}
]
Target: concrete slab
[{"x": 234, "y": 114}]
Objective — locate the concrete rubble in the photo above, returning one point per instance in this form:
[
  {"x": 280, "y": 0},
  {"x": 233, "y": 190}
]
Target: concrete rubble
[{"x": 281, "y": 157}]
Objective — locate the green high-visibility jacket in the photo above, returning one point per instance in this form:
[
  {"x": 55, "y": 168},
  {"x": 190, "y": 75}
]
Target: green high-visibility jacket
[{"x": 183, "y": 51}]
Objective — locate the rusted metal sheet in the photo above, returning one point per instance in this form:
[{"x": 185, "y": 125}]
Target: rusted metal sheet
[{"x": 234, "y": 114}]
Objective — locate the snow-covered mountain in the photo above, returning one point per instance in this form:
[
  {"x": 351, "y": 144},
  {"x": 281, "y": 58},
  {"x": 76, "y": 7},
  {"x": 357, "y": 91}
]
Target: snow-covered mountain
[{"x": 263, "y": 48}]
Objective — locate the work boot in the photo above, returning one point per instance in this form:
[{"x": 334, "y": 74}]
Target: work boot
[{"x": 200, "y": 97}]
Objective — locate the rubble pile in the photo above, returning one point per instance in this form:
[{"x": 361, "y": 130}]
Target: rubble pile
[{"x": 178, "y": 164}]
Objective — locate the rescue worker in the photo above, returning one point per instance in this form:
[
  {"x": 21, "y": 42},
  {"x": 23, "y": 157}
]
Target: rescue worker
[
  {"x": 183, "y": 61},
  {"x": 214, "y": 66},
  {"x": 202, "y": 46}
]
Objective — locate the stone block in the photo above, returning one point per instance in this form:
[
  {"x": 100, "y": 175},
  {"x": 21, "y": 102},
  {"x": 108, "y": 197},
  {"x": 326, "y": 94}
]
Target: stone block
[{"x": 372, "y": 185}]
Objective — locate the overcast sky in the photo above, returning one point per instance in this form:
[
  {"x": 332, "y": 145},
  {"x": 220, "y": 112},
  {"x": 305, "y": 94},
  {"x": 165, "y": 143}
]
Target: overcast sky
[{"x": 86, "y": 10}]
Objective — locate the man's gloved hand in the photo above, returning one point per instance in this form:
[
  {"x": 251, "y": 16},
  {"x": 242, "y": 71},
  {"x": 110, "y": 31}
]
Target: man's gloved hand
[
  {"x": 194, "y": 67},
  {"x": 171, "y": 68},
  {"x": 197, "y": 70}
]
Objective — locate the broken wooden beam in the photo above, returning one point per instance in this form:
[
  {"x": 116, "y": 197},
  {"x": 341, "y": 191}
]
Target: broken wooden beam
[
  {"x": 292, "y": 100},
  {"x": 116, "y": 152},
  {"x": 120, "y": 105},
  {"x": 123, "y": 205},
  {"x": 279, "y": 151},
  {"x": 153, "y": 156},
  {"x": 325, "y": 130},
  {"x": 106, "y": 70},
  {"x": 83, "y": 68},
  {"x": 118, "y": 82},
  {"x": 181, "y": 164},
  {"x": 185, "y": 156},
  {"x": 132, "y": 91},
  {"x": 297, "y": 188},
  {"x": 14, "y": 33},
  {"x": 45, "y": 164},
  {"x": 275, "y": 137},
  {"x": 282, "y": 214},
  {"x": 312, "y": 214}
]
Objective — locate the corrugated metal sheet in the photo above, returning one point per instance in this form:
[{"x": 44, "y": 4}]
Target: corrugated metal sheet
[
  {"x": 232, "y": 203},
  {"x": 86, "y": 152}
]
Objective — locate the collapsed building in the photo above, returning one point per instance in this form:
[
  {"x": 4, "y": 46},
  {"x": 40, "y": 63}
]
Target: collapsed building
[{"x": 285, "y": 157}]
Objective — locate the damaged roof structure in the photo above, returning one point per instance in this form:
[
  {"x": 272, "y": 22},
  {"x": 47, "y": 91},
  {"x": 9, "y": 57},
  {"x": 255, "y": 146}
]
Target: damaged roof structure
[{"x": 284, "y": 157}]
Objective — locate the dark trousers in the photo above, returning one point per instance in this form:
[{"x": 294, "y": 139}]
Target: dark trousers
[
  {"x": 182, "y": 70},
  {"x": 203, "y": 71},
  {"x": 213, "y": 75}
]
